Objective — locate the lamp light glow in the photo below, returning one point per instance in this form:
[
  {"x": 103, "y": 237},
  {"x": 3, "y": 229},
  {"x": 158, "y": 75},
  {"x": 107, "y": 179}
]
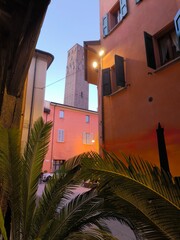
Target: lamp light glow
[
  {"x": 95, "y": 64},
  {"x": 101, "y": 52}
]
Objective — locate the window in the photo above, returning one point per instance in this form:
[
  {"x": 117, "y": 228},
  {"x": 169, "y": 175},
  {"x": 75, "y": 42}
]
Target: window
[
  {"x": 57, "y": 164},
  {"x": 87, "y": 118},
  {"x": 60, "y": 135},
  {"x": 169, "y": 48},
  {"x": 113, "y": 78},
  {"x": 167, "y": 42},
  {"x": 114, "y": 16},
  {"x": 137, "y": 1},
  {"x": 61, "y": 114},
  {"x": 87, "y": 138}
]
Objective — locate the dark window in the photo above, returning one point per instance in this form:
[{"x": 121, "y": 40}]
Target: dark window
[
  {"x": 57, "y": 164},
  {"x": 167, "y": 42},
  {"x": 169, "y": 48},
  {"x": 113, "y": 78}
]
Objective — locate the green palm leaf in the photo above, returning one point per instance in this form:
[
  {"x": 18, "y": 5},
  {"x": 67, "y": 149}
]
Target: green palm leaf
[
  {"x": 57, "y": 191},
  {"x": 20, "y": 174},
  {"x": 152, "y": 198},
  {"x": 2, "y": 228},
  {"x": 82, "y": 211},
  {"x": 33, "y": 158},
  {"x": 91, "y": 234}
]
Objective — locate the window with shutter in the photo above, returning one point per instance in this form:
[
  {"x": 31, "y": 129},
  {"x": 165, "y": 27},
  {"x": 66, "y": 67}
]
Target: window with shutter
[
  {"x": 61, "y": 114},
  {"x": 169, "y": 47},
  {"x": 177, "y": 24},
  {"x": 137, "y": 1},
  {"x": 60, "y": 135},
  {"x": 114, "y": 16},
  {"x": 87, "y": 138},
  {"x": 106, "y": 82},
  {"x": 87, "y": 118},
  {"x": 105, "y": 25},
  {"x": 119, "y": 69},
  {"x": 149, "y": 50},
  {"x": 123, "y": 9},
  {"x": 167, "y": 44}
]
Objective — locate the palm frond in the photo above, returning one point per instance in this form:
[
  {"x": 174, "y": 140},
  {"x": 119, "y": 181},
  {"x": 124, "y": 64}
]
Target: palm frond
[
  {"x": 4, "y": 168},
  {"x": 134, "y": 183},
  {"x": 91, "y": 234},
  {"x": 56, "y": 193},
  {"x": 10, "y": 167},
  {"x": 2, "y": 228},
  {"x": 15, "y": 171},
  {"x": 82, "y": 211},
  {"x": 33, "y": 157}
]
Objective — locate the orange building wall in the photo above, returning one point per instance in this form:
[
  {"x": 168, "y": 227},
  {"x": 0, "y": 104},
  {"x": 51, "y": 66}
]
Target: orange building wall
[
  {"x": 130, "y": 119},
  {"x": 74, "y": 124}
]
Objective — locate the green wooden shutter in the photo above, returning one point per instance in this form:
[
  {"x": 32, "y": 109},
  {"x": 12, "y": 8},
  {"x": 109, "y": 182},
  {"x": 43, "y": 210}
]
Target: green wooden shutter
[
  {"x": 119, "y": 69},
  {"x": 105, "y": 25},
  {"x": 177, "y": 23},
  {"x": 106, "y": 82},
  {"x": 149, "y": 50},
  {"x": 123, "y": 9}
]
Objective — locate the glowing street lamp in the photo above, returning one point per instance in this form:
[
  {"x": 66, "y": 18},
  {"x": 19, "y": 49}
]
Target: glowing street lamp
[
  {"x": 101, "y": 52},
  {"x": 95, "y": 65}
]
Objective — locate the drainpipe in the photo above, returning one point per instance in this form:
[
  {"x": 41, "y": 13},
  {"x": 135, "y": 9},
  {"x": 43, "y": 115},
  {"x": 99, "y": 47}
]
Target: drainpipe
[
  {"x": 52, "y": 142},
  {"x": 32, "y": 99}
]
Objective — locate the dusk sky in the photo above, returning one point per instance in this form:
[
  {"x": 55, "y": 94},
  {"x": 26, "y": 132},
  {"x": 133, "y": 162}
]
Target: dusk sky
[{"x": 67, "y": 23}]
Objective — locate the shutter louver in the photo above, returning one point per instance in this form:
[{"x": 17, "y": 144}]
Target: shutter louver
[
  {"x": 149, "y": 50},
  {"x": 177, "y": 25},
  {"x": 60, "y": 135},
  {"x": 105, "y": 25},
  {"x": 106, "y": 82},
  {"x": 84, "y": 138},
  {"x": 119, "y": 69},
  {"x": 123, "y": 9}
]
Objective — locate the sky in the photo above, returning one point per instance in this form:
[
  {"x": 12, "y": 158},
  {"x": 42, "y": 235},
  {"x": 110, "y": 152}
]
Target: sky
[{"x": 67, "y": 23}]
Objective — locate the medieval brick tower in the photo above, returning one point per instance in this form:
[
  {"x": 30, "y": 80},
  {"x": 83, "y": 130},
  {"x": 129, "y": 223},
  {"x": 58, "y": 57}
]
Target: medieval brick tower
[{"x": 76, "y": 88}]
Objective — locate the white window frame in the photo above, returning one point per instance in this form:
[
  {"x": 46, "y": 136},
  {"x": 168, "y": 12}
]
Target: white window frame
[
  {"x": 87, "y": 138},
  {"x": 87, "y": 118},
  {"x": 61, "y": 114},
  {"x": 60, "y": 137}
]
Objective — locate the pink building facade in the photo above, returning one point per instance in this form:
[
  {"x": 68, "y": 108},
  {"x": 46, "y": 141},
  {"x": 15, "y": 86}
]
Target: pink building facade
[{"x": 74, "y": 131}]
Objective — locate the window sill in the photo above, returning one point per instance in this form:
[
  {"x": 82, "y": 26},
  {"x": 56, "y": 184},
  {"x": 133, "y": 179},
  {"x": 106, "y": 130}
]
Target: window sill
[
  {"x": 119, "y": 90},
  {"x": 167, "y": 64},
  {"x": 114, "y": 27}
]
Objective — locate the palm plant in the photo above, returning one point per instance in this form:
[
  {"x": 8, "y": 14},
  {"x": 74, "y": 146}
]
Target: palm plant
[
  {"x": 138, "y": 191},
  {"x": 55, "y": 215}
]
